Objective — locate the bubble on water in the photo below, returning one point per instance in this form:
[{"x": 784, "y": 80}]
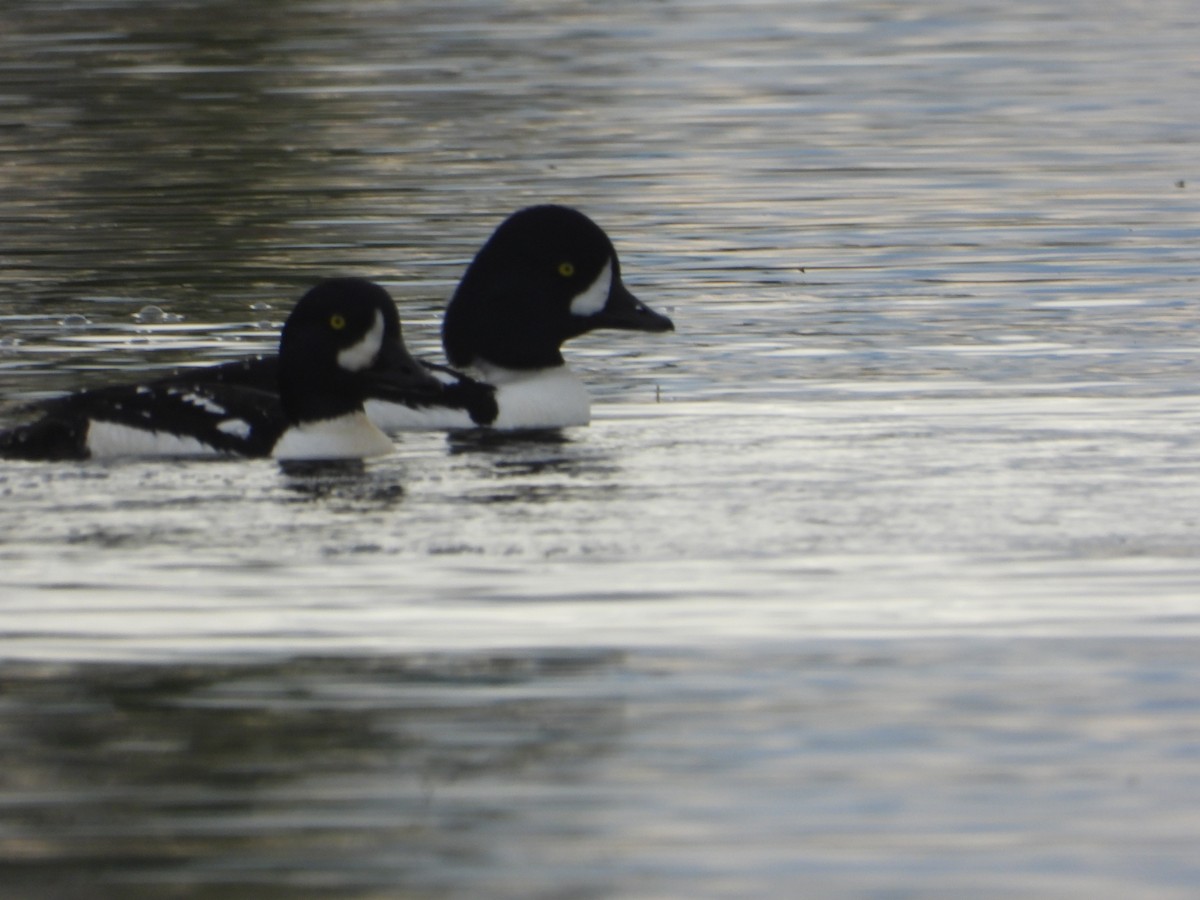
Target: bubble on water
[
  {"x": 75, "y": 320},
  {"x": 152, "y": 314},
  {"x": 149, "y": 313},
  {"x": 260, "y": 306}
]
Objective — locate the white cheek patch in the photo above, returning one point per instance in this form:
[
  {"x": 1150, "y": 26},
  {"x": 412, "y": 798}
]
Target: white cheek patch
[
  {"x": 358, "y": 356},
  {"x": 592, "y": 299}
]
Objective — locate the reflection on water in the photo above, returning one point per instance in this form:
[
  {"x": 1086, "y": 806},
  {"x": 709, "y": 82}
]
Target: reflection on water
[
  {"x": 299, "y": 778},
  {"x": 966, "y": 766},
  {"x": 347, "y": 486},
  {"x": 537, "y": 467},
  {"x": 483, "y": 440}
]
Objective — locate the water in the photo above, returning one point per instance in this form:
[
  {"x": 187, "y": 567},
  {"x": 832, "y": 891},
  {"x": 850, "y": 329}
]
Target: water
[{"x": 879, "y": 577}]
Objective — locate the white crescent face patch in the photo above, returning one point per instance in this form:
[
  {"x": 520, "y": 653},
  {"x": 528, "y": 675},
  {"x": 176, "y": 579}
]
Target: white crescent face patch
[
  {"x": 592, "y": 298},
  {"x": 359, "y": 355}
]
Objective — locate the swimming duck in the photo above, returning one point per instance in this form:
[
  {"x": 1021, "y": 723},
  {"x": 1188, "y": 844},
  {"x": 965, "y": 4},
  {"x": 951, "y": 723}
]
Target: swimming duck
[
  {"x": 546, "y": 275},
  {"x": 341, "y": 340}
]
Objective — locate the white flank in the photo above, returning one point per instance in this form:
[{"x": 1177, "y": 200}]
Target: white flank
[
  {"x": 351, "y": 436},
  {"x": 237, "y": 427},
  {"x": 592, "y": 300},
  {"x": 106, "y": 440},
  {"x": 358, "y": 356},
  {"x": 544, "y": 398}
]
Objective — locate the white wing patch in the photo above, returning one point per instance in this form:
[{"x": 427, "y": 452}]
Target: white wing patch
[
  {"x": 204, "y": 403},
  {"x": 358, "y": 356},
  {"x": 592, "y": 299},
  {"x": 239, "y": 428}
]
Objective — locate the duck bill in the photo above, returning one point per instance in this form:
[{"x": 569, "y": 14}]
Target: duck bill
[
  {"x": 395, "y": 370},
  {"x": 627, "y": 312}
]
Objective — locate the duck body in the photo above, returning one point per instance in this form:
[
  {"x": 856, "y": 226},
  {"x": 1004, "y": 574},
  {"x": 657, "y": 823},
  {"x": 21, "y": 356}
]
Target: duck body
[
  {"x": 304, "y": 404},
  {"x": 184, "y": 419}
]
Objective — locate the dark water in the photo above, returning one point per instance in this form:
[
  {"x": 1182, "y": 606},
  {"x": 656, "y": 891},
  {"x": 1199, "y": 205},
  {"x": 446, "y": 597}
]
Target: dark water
[{"x": 879, "y": 578}]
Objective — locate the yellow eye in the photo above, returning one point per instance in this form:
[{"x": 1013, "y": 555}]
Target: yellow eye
[
  {"x": 566, "y": 269},
  {"x": 337, "y": 322}
]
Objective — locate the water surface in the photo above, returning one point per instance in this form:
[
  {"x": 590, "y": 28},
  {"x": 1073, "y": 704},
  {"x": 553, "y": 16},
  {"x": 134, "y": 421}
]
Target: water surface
[{"x": 878, "y": 577}]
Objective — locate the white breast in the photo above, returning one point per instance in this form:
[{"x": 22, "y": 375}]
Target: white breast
[{"x": 351, "y": 436}]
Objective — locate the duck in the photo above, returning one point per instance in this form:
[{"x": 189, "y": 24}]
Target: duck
[
  {"x": 547, "y": 274},
  {"x": 340, "y": 341}
]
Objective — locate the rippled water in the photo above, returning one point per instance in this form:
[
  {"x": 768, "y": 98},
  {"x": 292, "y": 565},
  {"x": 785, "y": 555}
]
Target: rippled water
[{"x": 878, "y": 578}]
